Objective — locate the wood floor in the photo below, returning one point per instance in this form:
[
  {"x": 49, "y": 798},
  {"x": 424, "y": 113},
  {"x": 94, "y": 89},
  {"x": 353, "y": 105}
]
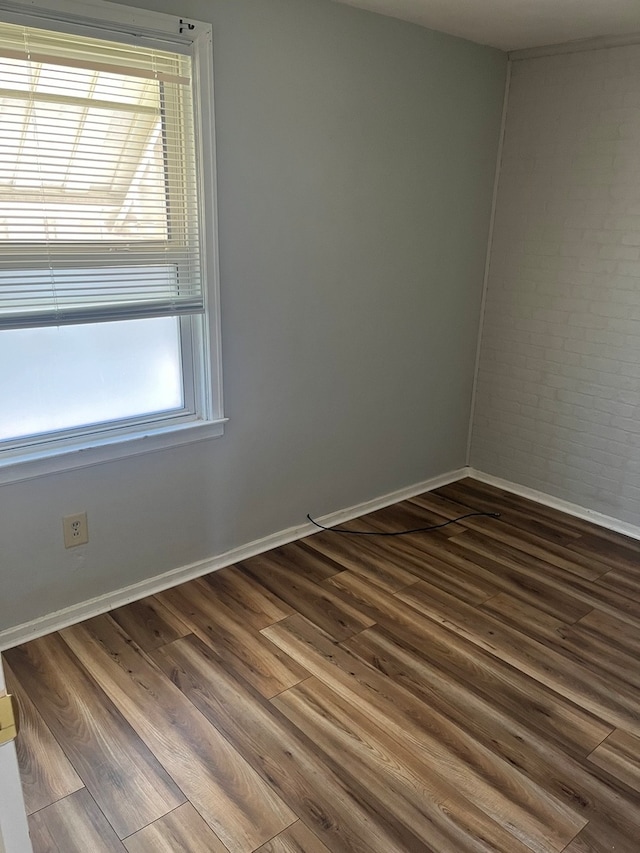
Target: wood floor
[{"x": 472, "y": 689}]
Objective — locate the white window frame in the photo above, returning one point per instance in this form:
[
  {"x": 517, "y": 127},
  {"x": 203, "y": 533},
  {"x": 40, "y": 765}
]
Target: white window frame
[{"x": 90, "y": 445}]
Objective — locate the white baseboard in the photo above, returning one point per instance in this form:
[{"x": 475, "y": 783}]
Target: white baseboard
[
  {"x": 607, "y": 521},
  {"x": 109, "y": 601}
]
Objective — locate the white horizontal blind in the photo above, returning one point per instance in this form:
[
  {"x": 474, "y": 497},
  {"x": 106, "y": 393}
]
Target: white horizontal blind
[{"x": 98, "y": 193}]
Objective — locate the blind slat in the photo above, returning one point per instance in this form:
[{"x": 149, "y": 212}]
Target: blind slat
[
  {"x": 98, "y": 198},
  {"x": 93, "y": 65},
  {"x": 101, "y": 314}
]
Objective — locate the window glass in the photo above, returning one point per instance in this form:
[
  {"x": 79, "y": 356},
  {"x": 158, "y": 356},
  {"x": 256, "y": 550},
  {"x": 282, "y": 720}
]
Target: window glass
[{"x": 71, "y": 376}]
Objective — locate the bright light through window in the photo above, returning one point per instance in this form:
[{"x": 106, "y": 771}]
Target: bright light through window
[
  {"x": 93, "y": 142},
  {"x": 106, "y": 152},
  {"x": 75, "y": 376}
]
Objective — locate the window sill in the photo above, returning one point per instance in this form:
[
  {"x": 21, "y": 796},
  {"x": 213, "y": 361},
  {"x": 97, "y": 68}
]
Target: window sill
[{"x": 105, "y": 449}]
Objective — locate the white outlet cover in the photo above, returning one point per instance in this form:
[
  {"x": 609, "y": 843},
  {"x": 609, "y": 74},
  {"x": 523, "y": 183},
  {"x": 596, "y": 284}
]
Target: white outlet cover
[{"x": 75, "y": 530}]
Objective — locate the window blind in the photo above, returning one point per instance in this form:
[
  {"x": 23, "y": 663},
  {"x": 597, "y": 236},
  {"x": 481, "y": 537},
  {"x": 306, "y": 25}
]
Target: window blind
[{"x": 98, "y": 190}]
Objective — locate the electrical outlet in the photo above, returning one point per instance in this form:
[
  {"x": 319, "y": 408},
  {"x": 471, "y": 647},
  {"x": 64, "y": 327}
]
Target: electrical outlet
[{"x": 75, "y": 530}]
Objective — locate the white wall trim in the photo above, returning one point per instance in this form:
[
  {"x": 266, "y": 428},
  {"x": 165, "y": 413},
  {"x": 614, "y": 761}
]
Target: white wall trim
[
  {"x": 487, "y": 260},
  {"x": 607, "y": 521},
  {"x": 110, "y": 600},
  {"x": 105, "y": 449}
]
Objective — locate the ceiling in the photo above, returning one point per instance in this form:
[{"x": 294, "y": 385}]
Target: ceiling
[{"x": 514, "y": 24}]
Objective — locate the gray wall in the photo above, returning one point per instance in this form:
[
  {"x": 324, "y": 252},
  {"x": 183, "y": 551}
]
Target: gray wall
[
  {"x": 558, "y": 403},
  {"x": 356, "y": 158}
]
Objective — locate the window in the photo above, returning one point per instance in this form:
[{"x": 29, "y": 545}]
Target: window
[{"x": 108, "y": 293}]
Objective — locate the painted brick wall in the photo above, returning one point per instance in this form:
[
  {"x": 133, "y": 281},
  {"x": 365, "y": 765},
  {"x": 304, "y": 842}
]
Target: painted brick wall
[{"x": 558, "y": 393}]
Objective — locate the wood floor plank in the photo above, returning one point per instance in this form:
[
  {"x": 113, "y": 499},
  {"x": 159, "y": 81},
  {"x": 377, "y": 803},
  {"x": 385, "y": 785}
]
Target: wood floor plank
[
  {"x": 482, "y": 496},
  {"x": 307, "y": 562},
  {"x": 512, "y": 691},
  {"x": 256, "y": 606},
  {"x": 523, "y": 617},
  {"x": 316, "y": 602},
  {"x": 45, "y": 772},
  {"x": 399, "y": 553},
  {"x": 598, "y": 655},
  {"x": 542, "y": 822},
  {"x": 623, "y": 581},
  {"x": 581, "y": 590},
  {"x": 243, "y": 649},
  {"x": 584, "y": 530},
  {"x": 620, "y": 755},
  {"x": 411, "y": 515},
  {"x": 568, "y": 777},
  {"x": 535, "y": 545},
  {"x": 489, "y": 575},
  {"x": 119, "y": 770},
  {"x": 243, "y": 811},
  {"x": 603, "y": 697},
  {"x": 74, "y": 824},
  {"x": 445, "y": 821},
  {"x": 599, "y": 838},
  {"x": 571, "y": 641},
  {"x": 613, "y": 633},
  {"x": 149, "y": 623},
  {"x": 499, "y": 530},
  {"x": 332, "y": 801},
  {"x": 515, "y": 512},
  {"x": 514, "y": 572},
  {"x": 458, "y": 579},
  {"x": 296, "y": 839},
  {"x": 624, "y": 555},
  {"x": 471, "y": 689},
  {"x": 365, "y": 558},
  {"x": 181, "y": 831}
]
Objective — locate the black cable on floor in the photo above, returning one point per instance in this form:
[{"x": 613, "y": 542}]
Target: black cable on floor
[{"x": 401, "y": 532}]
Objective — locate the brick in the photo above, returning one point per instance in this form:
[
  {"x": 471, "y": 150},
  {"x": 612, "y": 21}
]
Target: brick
[{"x": 558, "y": 396}]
